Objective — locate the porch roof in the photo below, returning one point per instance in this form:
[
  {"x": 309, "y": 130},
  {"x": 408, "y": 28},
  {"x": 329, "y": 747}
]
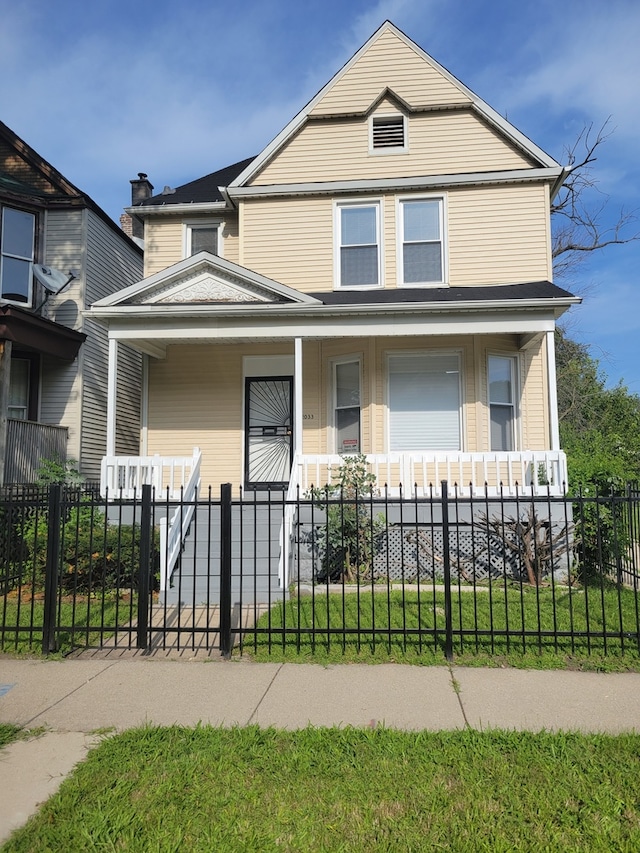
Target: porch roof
[{"x": 522, "y": 309}]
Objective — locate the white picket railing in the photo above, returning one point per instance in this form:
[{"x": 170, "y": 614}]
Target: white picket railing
[
  {"x": 543, "y": 471},
  {"x": 123, "y": 477},
  {"x": 174, "y": 531}
]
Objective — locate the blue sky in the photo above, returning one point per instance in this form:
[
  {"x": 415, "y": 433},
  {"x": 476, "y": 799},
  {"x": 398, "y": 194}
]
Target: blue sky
[{"x": 104, "y": 89}]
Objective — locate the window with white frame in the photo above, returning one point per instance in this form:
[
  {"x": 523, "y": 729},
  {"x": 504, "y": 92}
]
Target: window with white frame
[
  {"x": 502, "y": 402},
  {"x": 358, "y": 244},
  {"x": 421, "y": 252},
  {"x": 388, "y": 134},
  {"x": 17, "y": 244},
  {"x": 346, "y": 405},
  {"x": 19, "y": 387},
  {"x": 202, "y": 236},
  {"x": 424, "y": 398}
]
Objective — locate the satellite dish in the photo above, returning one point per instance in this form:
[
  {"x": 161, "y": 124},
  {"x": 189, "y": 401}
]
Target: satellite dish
[{"x": 51, "y": 279}]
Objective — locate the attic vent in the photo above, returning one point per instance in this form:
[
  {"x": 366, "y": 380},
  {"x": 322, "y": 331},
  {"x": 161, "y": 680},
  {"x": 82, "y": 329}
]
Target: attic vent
[{"x": 388, "y": 132}]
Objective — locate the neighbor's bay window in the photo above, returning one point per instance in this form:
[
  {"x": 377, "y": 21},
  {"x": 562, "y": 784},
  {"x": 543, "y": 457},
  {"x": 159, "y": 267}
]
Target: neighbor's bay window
[
  {"x": 17, "y": 243},
  {"x": 502, "y": 402},
  {"x": 358, "y": 231},
  {"x": 421, "y": 249}
]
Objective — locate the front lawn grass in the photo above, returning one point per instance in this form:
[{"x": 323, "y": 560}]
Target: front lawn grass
[
  {"x": 499, "y": 624},
  {"x": 87, "y": 621},
  {"x": 345, "y": 791}
]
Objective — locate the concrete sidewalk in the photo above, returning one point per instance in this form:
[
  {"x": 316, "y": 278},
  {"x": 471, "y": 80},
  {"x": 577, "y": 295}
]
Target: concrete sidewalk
[{"x": 74, "y": 699}]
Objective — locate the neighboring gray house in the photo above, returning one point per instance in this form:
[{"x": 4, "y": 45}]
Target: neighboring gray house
[{"x": 53, "y": 356}]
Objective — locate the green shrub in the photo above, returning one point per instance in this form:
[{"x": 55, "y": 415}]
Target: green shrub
[
  {"x": 95, "y": 555},
  {"x": 346, "y": 543}
]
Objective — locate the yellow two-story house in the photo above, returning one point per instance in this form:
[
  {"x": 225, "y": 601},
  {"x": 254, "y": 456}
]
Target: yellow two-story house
[{"x": 377, "y": 280}]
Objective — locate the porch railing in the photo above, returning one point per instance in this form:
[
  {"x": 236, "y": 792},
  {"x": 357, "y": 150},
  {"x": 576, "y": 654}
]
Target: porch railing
[
  {"x": 124, "y": 476},
  {"x": 173, "y": 532},
  {"x": 539, "y": 471}
]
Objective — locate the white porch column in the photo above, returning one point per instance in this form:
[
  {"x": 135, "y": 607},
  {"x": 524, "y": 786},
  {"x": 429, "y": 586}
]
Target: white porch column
[
  {"x": 554, "y": 429},
  {"x": 112, "y": 394},
  {"x": 297, "y": 397}
]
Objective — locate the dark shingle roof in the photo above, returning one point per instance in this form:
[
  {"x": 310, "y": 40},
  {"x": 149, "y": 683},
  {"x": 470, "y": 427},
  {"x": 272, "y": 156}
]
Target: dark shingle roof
[
  {"x": 528, "y": 290},
  {"x": 202, "y": 190}
]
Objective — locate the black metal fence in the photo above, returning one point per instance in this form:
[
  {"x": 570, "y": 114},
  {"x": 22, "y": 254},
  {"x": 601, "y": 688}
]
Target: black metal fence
[{"x": 385, "y": 574}]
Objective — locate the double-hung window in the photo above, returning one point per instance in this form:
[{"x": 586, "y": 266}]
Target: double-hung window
[
  {"x": 358, "y": 239},
  {"x": 202, "y": 236},
  {"x": 17, "y": 242},
  {"x": 421, "y": 242},
  {"x": 346, "y": 405},
  {"x": 502, "y": 402}
]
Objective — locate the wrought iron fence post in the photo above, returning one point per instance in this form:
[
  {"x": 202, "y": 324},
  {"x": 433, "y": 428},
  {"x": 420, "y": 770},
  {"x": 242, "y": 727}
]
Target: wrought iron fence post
[
  {"x": 448, "y": 641},
  {"x": 52, "y": 569},
  {"x": 144, "y": 571},
  {"x": 225, "y": 570}
]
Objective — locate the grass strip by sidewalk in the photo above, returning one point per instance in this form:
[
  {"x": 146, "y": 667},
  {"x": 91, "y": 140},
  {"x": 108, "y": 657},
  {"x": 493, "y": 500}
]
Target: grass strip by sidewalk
[
  {"x": 86, "y": 622},
  {"x": 345, "y": 790},
  {"x": 499, "y": 625},
  {"x": 8, "y": 734}
]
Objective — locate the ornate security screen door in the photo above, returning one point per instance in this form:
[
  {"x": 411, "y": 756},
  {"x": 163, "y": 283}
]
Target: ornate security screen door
[{"x": 268, "y": 431}]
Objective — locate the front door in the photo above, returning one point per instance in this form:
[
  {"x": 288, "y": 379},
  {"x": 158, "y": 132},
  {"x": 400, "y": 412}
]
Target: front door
[{"x": 268, "y": 431}]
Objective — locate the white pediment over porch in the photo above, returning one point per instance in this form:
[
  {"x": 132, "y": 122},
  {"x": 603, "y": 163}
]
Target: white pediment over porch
[{"x": 205, "y": 279}]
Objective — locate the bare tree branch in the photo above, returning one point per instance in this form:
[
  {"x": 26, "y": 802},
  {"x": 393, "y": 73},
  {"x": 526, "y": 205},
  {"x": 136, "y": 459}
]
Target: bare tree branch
[{"x": 577, "y": 219}]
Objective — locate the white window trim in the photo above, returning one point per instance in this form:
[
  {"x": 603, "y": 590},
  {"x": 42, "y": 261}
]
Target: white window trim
[
  {"x": 514, "y": 358},
  {"x": 331, "y": 402},
  {"x": 189, "y": 225},
  {"x": 31, "y": 301},
  {"x": 400, "y": 200},
  {"x": 399, "y": 149},
  {"x": 338, "y": 205},
  {"x": 459, "y": 352}
]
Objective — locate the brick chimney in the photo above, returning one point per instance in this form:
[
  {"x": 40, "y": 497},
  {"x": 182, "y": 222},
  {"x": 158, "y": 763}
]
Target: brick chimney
[{"x": 141, "y": 189}]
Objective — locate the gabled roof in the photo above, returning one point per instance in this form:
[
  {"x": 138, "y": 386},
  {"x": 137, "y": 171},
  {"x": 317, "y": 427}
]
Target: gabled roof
[
  {"x": 204, "y": 279},
  {"x": 26, "y": 177},
  {"x": 464, "y": 97}
]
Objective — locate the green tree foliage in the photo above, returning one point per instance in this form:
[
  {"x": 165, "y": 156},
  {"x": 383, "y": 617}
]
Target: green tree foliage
[{"x": 599, "y": 426}]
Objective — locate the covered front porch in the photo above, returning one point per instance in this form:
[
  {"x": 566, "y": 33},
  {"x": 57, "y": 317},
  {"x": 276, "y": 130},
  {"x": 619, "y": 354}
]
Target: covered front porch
[{"x": 276, "y": 386}]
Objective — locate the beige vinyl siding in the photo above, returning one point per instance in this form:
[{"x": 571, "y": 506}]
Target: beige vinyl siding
[
  {"x": 498, "y": 235},
  {"x": 439, "y": 144},
  {"x": 494, "y": 235},
  {"x": 196, "y": 400},
  {"x": 389, "y": 62},
  {"x": 289, "y": 240},
  {"x": 164, "y": 240},
  {"x": 163, "y": 243}
]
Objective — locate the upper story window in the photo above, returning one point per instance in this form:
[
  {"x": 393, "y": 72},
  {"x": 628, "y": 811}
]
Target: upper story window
[
  {"x": 421, "y": 251},
  {"x": 17, "y": 242},
  {"x": 202, "y": 236},
  {"x": 388, "y": 134},
  {"x": 502, "y": 402},
  {"x": 358, "y": 239}
]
